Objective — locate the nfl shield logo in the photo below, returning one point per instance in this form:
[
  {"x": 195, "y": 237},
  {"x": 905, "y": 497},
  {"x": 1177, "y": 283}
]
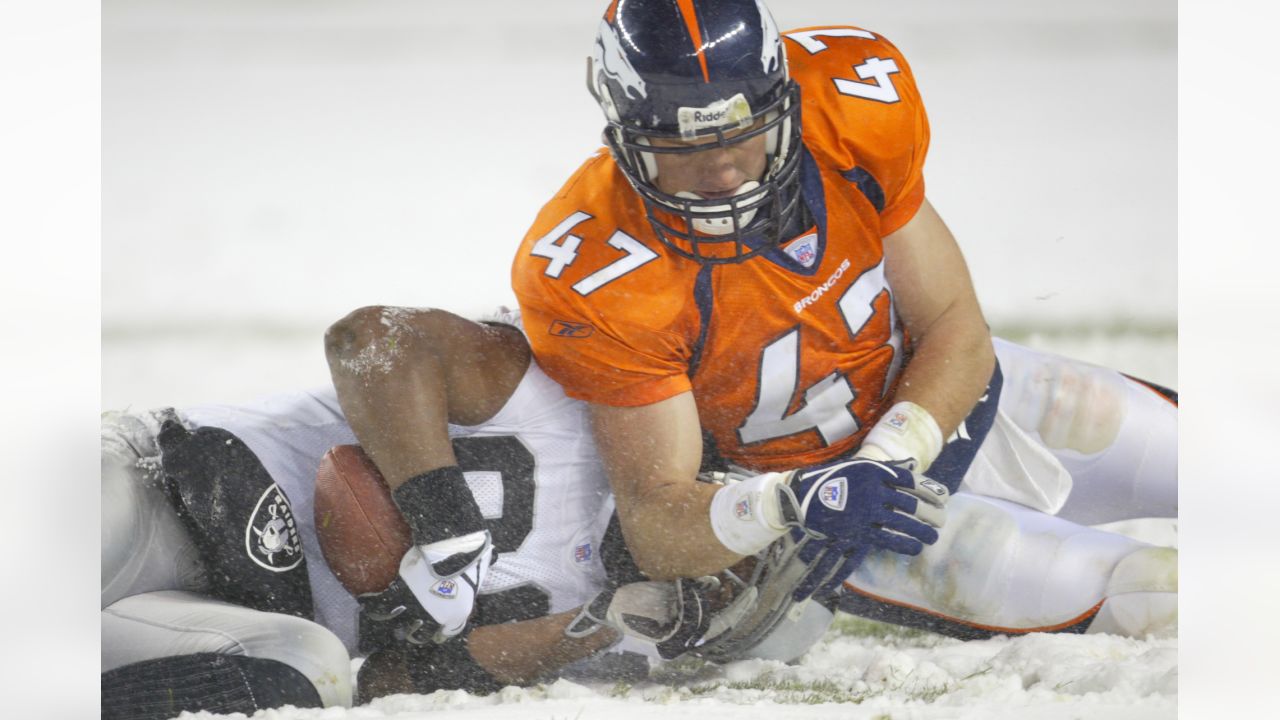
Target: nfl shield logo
[
  {"x": 804, "y": 250},
  {"x": 742, "y": 509},
  {"x": 582, "y": 553},
  {"x": 445, "y": 589},
  {"x": 832, "y": 494}
]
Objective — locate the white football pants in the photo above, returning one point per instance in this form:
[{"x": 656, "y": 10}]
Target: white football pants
[
  {"x": 152, "y": 579},
  {"x": 1073, "y": 445}
]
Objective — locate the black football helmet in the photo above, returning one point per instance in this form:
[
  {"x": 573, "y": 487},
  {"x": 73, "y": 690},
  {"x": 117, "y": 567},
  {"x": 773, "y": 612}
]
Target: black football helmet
[{"x": 698, "y": 71}]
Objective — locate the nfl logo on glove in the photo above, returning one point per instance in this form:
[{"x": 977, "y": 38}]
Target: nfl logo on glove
[
  {"x": 832, "y": 494},
  {"x": 445, "y": 589}
]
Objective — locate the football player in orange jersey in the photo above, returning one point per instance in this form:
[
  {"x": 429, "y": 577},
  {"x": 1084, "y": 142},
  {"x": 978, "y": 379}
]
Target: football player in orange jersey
[{"x": 754, "y": 258}]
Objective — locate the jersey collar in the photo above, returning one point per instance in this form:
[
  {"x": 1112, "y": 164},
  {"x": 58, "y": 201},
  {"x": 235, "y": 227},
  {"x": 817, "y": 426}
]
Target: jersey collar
[{"x": 811, "y": 192}]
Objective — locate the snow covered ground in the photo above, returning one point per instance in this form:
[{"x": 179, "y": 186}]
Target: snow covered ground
[
  {"x": 861, "y": 671},
  {"x": 269, "y": 165}
]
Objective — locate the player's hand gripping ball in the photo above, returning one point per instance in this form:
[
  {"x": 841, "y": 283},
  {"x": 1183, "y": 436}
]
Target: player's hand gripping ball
[
  {"x": 403, "y": 591},
  {"x": 362, "y": 534}
]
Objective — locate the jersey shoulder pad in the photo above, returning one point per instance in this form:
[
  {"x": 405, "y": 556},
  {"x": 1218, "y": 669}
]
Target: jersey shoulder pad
[
  {"x": 862, "y": 111},
  {"x": 591, "y": 243},
  {"x": 604, "y": 305}
]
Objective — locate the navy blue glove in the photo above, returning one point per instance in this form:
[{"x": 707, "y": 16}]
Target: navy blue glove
[{"x": 846, "y": 509}]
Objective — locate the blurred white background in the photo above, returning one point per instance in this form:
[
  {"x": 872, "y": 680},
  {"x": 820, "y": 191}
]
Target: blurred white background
[
  {"x": 226, "y": 115},
  {"x": 269, "y": 165}
]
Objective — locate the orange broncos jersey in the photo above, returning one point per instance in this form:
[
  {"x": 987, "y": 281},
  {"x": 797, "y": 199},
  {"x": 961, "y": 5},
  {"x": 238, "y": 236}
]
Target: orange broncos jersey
[{"x": 791, "y": 355}]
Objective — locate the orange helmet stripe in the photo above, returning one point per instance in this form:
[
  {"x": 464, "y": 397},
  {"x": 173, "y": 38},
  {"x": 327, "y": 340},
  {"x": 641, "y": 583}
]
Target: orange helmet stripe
[
  {"x": 612, "y": 12},
  {"x": 695, "y": 32}
]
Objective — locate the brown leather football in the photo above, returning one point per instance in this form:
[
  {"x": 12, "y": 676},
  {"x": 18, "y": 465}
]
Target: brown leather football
[{"x": 362, "y": 533}]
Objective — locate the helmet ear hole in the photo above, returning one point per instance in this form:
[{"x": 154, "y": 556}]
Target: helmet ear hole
[
  {"x": 606, "y": 102},
  {"x": 600, "y": 91}
]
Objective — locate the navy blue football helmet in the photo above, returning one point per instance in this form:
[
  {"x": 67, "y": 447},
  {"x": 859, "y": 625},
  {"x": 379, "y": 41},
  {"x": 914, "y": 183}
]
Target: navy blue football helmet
[{"x": 711, "y": 72}]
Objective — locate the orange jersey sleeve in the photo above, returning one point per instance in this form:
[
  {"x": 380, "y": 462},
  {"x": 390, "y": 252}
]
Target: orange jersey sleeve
[
  {"x": 605, "y": 330},
  {"x": 862, "y": 112}
]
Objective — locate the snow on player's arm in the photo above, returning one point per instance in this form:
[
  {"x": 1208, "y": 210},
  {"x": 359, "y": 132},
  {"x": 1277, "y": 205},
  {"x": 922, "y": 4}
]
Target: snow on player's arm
[
  {"x": 402, "y": 376},
  {"x": 399, "y": 384}
]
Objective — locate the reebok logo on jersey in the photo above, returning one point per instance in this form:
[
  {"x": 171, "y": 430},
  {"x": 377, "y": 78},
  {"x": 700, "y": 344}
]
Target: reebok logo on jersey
[
  {"x": 566, "y": 329},
  {"x": 833, "y": 493},
  {"x": 822, "y": 289}
]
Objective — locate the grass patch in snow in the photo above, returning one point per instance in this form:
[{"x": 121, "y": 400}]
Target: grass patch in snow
[
  {"x": 853, "y": 626},
  {"x": 782, "y": 690},
  {"x": 621, "y": 690}
]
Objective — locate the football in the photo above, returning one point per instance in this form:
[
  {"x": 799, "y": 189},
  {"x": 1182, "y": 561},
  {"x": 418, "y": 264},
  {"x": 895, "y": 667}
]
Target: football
[{"x": 362, "y": 534}]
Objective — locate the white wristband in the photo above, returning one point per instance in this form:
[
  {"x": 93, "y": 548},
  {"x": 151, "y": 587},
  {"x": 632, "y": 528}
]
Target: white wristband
[
  {"x": 746, "y": 516},
  {"x": 906, "y": 432}
]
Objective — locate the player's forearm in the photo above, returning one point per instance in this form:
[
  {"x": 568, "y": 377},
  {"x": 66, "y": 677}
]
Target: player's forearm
[
  {"x": 951, "y": 366},
  {"x": 668, "y": 530},
  {"x": 651, "y": 455},
  {"x": 953, "y": 357},
  {"x": 520, "y": 653}
]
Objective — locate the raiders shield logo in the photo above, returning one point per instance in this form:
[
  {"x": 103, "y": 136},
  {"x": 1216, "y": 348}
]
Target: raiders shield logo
[{"x": 271, "y": 538}]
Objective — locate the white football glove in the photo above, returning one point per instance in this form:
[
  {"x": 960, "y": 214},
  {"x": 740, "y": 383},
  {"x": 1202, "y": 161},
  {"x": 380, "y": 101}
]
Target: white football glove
[
  {"x": 673, "y": 616},
  {"x": 435, "y": 593}
]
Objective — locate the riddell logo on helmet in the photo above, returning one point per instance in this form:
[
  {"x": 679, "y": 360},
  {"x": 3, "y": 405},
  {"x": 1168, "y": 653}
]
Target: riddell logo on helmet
[{"x": 722, "y": 113}]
